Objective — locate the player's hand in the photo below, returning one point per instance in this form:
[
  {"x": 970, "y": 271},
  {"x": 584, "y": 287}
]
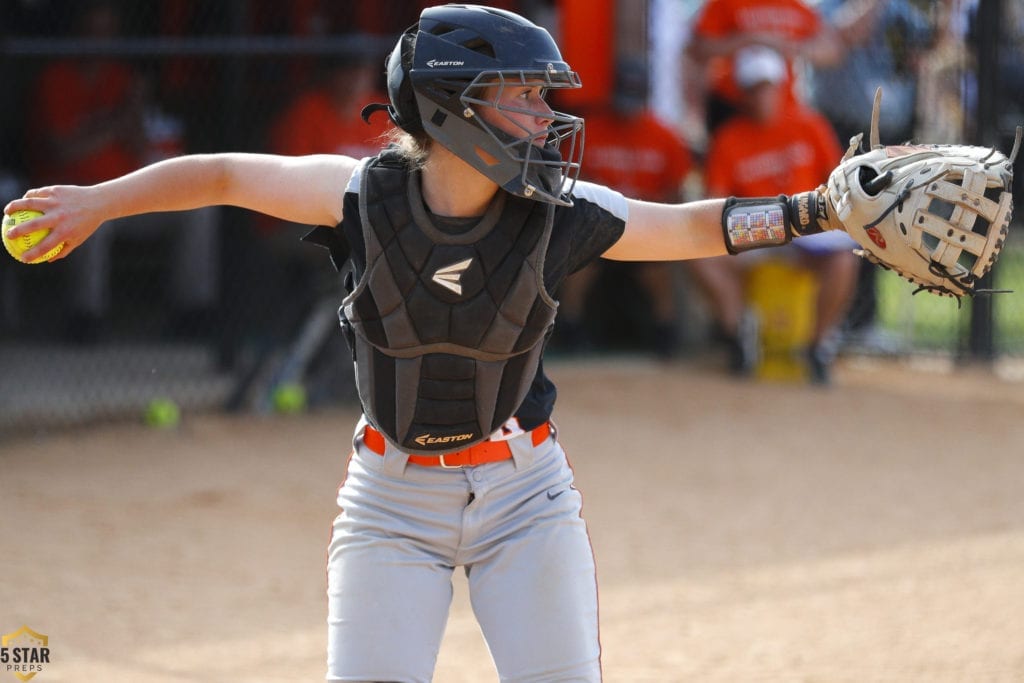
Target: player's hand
[{"x": 70, "y": 213}]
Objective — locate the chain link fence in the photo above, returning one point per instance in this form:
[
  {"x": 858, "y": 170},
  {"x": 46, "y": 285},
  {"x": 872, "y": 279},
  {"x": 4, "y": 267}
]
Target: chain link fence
[
  {"x": 203, "y": 310},
  {"x": 215, "y": 310}
]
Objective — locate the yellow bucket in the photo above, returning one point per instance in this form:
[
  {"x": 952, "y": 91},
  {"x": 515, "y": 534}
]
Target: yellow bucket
[{"x": 783, "y": 296}]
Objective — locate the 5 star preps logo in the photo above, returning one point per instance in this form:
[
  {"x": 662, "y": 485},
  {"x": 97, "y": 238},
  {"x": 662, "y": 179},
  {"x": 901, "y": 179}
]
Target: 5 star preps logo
[{"x": 24, "y": 653}]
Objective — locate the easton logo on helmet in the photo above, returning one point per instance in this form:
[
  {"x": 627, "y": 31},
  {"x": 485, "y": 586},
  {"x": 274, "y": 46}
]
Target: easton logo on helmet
[{"x": 444, "y": 62}]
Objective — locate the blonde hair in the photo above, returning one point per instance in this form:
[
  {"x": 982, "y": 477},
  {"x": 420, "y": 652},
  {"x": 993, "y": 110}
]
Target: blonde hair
[{"x": 415, "y": 148}]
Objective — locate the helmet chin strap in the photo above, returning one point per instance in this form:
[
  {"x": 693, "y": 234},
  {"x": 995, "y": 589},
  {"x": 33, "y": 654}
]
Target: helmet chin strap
[{"x": 549, "y": 175}]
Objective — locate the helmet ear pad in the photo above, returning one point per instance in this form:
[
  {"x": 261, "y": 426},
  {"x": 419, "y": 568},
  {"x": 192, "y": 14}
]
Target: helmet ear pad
[{"x": 403, "y": 110}]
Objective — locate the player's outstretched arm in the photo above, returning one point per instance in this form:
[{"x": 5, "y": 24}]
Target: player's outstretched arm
[
  {"x": 714, "y": 227},
  {"x": 936, "y": 214},
  {"x": 306, "y": 189},
  {"x": 670, "y": 232}
]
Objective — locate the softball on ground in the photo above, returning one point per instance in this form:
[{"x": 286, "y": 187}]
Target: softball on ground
[
  {"x": 289, "y": 398},
  {"x": 18, "y": 246},
  {"x": 162, "y": 413}
]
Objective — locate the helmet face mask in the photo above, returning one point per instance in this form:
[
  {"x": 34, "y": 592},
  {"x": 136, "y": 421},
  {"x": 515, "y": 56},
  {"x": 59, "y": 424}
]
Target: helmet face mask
[
  {"x": 549, "y": 160},
  {"x": 456, "y": 63}
]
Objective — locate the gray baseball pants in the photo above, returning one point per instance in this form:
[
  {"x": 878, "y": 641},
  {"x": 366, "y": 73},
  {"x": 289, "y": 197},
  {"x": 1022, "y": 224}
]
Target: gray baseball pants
[{"x": 515, "y": 528}]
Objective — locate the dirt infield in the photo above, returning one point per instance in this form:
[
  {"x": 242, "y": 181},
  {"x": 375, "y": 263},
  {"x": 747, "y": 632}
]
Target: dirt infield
[{"x": 743, "y": 532}]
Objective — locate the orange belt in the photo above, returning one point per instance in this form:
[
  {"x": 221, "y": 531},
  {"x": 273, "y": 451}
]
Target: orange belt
[{"x": 483, "y": 452}]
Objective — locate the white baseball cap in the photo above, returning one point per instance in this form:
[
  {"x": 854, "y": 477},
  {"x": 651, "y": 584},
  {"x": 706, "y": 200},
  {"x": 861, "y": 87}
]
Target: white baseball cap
[{"x": 758, "y": 64}]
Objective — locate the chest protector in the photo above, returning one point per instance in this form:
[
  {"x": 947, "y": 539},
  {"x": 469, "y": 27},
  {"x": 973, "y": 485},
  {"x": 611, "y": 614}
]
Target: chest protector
[{"x": 447, "y": 329}]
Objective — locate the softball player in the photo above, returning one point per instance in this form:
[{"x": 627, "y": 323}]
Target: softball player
[{"x": 457, "y": 234}]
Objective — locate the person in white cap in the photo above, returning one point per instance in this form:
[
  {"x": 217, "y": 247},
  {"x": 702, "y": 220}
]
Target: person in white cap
[
  {"x": 796, "y": 29},
  {"x": 770, "y": 147}
]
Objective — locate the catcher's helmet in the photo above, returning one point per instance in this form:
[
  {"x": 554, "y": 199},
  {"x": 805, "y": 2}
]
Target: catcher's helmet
[{"x": 437, "y": 75}]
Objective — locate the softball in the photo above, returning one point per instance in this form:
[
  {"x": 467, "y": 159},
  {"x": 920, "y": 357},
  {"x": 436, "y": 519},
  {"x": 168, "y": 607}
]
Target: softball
[
  {"x": 18, "y": 246},
  {"x": 289, "y": 398},
  {"x": 163, "y": 413}
]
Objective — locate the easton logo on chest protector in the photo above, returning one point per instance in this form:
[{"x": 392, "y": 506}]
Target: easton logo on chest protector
[{"x": 449, "y": 277}]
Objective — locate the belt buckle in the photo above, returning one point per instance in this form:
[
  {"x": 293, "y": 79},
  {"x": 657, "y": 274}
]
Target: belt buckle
[{"x": 446, "y": 466}]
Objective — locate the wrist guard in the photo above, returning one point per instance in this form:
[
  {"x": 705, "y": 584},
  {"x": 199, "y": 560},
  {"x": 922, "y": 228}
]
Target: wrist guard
[{"x": 770, "y": 221}]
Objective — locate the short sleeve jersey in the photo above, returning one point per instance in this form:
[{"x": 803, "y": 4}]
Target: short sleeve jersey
[
  {"x": 751, "y": 159},
  {"x": 580, "y": 234},
  {"x": 791, "y": 20}
]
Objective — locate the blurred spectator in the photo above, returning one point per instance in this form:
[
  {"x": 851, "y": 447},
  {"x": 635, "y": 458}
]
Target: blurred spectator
[
  {"x": 94, "y": 119},
  {"x": 325, "y": 119},
  {"x": 674, "y": 76},
  {"x": 629, "y": 149},
  {"x": 192, "y": 85},
  {"x": 774, "y": 147},
  {"x": 884, "y": 46},
  {"x": 792, "y": 28},
  {"x": 1010, "y": 80},
  {"x": 883, "y": 50},
  {"x": 1011, "y": 63},
  {"x": 292, "y": 282}
]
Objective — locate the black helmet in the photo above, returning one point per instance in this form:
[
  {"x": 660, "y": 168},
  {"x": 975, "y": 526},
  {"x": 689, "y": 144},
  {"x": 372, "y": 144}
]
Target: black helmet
[{"x": 437, "y": 74}]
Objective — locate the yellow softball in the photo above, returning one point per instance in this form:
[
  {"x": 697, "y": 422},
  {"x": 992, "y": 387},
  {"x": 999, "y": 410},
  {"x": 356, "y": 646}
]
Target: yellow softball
[{"x": 19, "y": 245}]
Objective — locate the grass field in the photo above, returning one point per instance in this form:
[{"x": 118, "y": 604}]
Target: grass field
[{"x": 932, "y": 323}]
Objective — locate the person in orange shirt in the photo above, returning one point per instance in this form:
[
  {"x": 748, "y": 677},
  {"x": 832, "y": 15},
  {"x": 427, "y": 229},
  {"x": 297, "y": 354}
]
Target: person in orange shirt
[
  {"x": 629, "y": 149},
  {"x": 770, "y": 148},
  {"x": 792, "y": 28},
  {"x": 325, "y": 119},
  {"x": 322, "y": 119},
  {"x": 93, "y": 119}
]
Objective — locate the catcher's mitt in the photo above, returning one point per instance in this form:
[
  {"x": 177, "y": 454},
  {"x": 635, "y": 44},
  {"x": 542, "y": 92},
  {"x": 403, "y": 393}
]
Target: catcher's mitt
[{"x": 935, "y": 214}]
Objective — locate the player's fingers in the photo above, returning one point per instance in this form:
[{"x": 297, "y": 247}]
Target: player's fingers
[
  {"x": 14, "y": 205},
  {"x": 48, "y": 220},
  {"x": 34, "y": 204},
  {"x": 51, "y": 241},
  {"x": 63, "y": 253},
  {"x": 38, "y": 192},
  {"x": 37, "y": 198}
]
